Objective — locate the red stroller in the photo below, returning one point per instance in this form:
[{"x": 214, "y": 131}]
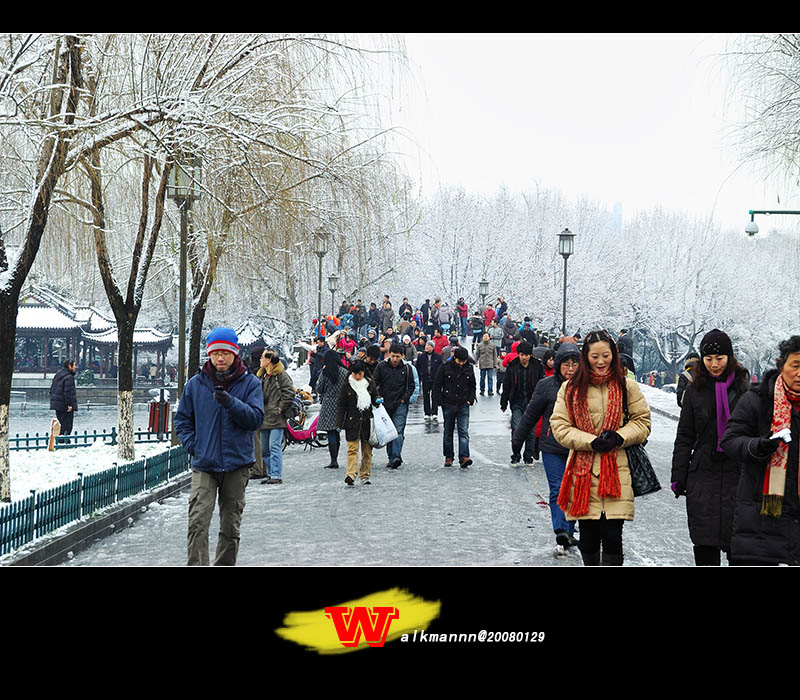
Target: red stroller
[{"x": 295, "y": 432}]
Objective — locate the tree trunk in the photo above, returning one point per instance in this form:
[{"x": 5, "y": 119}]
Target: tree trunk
[
  {"x": 8, "y": 329},
  {"x": 126, "y": 450}
]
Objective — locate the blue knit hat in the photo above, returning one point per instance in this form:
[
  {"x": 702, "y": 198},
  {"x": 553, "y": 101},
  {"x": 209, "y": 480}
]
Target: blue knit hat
[{"x": 222, "y": 339}]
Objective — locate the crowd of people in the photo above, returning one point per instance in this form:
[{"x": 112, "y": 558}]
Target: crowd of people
[{"x": 574, "y": 404}]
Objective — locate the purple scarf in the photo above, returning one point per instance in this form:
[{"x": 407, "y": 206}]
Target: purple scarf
[{"x": 723, "y": 410}]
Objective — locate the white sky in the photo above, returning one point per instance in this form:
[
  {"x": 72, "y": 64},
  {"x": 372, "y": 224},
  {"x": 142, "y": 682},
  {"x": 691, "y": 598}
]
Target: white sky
[{"x": 639, "y": 119}]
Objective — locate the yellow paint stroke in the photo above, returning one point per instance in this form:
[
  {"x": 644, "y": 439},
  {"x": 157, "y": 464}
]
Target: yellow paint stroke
[{"x": 316, "y": 632}]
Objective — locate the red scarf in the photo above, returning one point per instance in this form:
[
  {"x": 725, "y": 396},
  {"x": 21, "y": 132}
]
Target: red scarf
[
  {"x": 775, "y": 475},
  {"x": 579, "y": 468}
]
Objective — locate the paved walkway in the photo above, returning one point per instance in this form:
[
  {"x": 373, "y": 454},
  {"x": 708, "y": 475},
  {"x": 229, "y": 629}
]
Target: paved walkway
[{"x": 422, "y": 514}]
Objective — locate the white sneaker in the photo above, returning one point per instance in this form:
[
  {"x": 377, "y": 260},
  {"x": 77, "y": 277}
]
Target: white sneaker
[
  {"x": 427, "y": 419},
  {"x": 435, "y": 419}
]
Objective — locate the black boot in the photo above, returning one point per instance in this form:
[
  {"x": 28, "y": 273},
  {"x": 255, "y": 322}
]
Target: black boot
[
  {"x": 591, "y": 558},
  {"x": 333, "y": 448},
  {"x": 612, "y": 559}
]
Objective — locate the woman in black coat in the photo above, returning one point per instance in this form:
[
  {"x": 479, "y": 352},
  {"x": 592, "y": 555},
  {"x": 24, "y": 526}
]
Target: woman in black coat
[
  {"x": 766, "y": 528},
  {"x": 701, "y": 471},
  {"x": 354, "y": 415}
]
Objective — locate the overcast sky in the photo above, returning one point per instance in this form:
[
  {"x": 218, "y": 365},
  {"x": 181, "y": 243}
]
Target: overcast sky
[{"x": 640, "y": 119}]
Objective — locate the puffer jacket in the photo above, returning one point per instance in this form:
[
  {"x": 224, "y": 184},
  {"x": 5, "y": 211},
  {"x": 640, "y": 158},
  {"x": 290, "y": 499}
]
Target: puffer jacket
[
  {"x": 62, "y": 391},
  {"x": 486, "y": 355},
  {"x": 762, "y": 539},
  {"x": 634, "y": 432},
  {"x": 278, "y": 391},
  {"x": 710, "y": 477},
  {"x": 219, "y": 438}
]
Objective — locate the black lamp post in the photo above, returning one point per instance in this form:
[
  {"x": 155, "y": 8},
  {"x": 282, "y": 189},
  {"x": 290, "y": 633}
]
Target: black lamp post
[
  {"x": 566, "y": 246},
  {"x": 483, "y": 285},
  {"x": 319, "y": 244},
  {"x": 183, "y": 187},
  {"x": 333, "y": 280}
]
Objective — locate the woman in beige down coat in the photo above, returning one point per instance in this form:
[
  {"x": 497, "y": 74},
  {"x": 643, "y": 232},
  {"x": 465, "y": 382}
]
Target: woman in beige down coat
[{"x": 588, "y": 420}]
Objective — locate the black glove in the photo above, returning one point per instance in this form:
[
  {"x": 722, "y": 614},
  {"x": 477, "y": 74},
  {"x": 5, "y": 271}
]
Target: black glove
[
  {"x": 223, "y": 396},
  {"x": 607, "y": 440},
  {"x": 678, "y": 488},
  {"x": 762, "y": 448}
]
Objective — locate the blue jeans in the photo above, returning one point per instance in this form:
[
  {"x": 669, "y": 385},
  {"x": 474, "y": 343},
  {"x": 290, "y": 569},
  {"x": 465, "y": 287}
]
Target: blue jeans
[
  {"x": 488, "y": 372},
  {"x": 398, "y": 415},
  {"x": 458, "y": 413},
  {"x": 517, "y": 412},
  {"x": 464, "y": 327},
  {"x": 271, "y": 452},
  {"x": 554, "y": 466}
]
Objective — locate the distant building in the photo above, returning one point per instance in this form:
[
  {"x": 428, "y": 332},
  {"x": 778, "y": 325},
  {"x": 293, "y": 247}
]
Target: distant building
[{"x": 52, "y": 329}]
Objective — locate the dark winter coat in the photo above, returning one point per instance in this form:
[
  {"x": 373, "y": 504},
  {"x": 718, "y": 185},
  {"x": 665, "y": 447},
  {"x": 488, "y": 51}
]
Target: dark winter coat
[
  {"x": 513, "y": 391},
  {"x": 541, "y": 406},
  {"x": 427, "y": 367},
  {"x": 329, "y": 391},
  {"x": 387, "y": 318},
  {"x": 625, "y": 345},
  {"x": 501, "y": 310},
  {"x": 374, "y": 318},
  {"x": 527, "y": 333},
  {"x": 454, "y": 384},
  {"x": 219, "y": 438},
  {"x": 710, "y": 477},
  {"x": 406, "y": 311},
  {"x": 394, "y": 384},
  {"x": 477, "y": 324},
  {"x": 355, "y": 423},
  {"x": 62, "y": 391},
  {"x": 762, "y": 539}
]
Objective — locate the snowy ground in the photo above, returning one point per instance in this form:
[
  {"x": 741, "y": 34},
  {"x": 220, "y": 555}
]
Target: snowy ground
[{"x": 422, "y": 514}]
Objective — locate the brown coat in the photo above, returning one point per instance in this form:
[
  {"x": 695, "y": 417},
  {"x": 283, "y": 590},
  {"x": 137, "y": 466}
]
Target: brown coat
[
  {"x": 278, "y": 392},
  {"x": 634, "y": 432}
]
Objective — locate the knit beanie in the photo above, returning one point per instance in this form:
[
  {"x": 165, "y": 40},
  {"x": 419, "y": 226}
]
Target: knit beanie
[
  {"x": 460, "y": 353},
  {"x": 524, "y": 348},
  {"x": 222, "y": 339},
  {"x": 715, "y": 342}
]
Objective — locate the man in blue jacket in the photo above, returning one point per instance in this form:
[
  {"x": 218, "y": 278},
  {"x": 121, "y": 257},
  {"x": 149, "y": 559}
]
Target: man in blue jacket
[{"x": 220, "y": 409}]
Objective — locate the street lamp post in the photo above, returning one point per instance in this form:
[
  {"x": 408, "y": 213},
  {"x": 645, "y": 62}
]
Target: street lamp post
[
  {"x": 752, "y": 227},
  {"x": 566, "y": 246},
  {"x": 319, "y": 244},
  {"x": 332, "y": 282},
  {"x": 183, "y": 187},
  {"x": 483, "y": 285}
]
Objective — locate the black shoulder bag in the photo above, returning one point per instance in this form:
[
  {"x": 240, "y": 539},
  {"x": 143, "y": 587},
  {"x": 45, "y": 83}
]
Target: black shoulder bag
[{"x": 643, "y": 476}]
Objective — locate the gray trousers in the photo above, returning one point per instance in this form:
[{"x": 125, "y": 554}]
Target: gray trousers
[{"x": 205, "y": 486}]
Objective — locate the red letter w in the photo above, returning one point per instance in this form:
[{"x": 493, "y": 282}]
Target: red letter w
[{"x": 350, "y": 622}]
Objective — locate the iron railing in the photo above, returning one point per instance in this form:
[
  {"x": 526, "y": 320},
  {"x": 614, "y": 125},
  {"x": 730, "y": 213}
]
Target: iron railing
[{"x": 29, "y": 518}]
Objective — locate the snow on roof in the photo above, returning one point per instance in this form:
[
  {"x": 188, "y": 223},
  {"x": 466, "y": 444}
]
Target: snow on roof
[
  {"x": 145, "y": 336},
  {"x": 42, "y": 317}
]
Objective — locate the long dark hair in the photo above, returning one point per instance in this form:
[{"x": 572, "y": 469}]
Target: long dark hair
[
  {"x": 582, "y": 378},
  {"x": 331, "y": 363},
  {"x": 702, "y": 378}
]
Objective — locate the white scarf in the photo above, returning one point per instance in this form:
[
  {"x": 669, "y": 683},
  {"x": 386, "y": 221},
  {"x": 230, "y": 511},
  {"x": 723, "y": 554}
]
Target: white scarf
[{"x": 360, "y": 387}]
